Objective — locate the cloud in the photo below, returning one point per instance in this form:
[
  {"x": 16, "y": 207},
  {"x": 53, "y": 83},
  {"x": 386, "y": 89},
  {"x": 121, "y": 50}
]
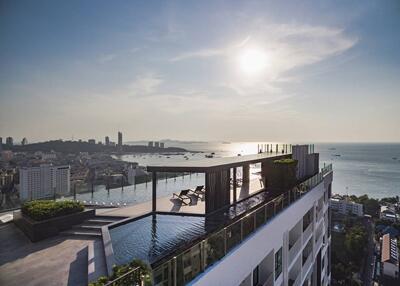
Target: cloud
[
  {"x": 206, "y": 53},
  {"x": 145, "y": 84},
  {"x": 288, "y": 46},
  {"x": 106, "y": 58}
]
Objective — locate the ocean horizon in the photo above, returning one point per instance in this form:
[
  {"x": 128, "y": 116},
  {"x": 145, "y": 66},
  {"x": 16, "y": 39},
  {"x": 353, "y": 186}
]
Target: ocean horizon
[{"x": 359, "y": 168}]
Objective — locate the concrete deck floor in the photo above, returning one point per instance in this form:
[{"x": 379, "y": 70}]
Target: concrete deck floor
[{"x": 59, "y": 260}]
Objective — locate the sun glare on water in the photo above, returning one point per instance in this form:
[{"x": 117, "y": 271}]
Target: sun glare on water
[{"x": 253, "y": 62}]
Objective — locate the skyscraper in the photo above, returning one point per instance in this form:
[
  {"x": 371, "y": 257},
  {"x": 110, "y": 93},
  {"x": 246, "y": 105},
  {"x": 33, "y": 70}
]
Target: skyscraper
[
  {"x": 119, "y": 139},
  {"x": 107, "y": 140},
  {"x": 9, "y": 141},
  {"x": 1, "y": 144}
]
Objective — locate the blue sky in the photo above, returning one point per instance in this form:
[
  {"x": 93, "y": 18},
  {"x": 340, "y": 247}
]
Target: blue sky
[{"x": 178, "y": 69}]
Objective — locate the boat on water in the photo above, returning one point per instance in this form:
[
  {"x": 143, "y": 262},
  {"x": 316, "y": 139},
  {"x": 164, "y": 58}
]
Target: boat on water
[
  {"x": 336, "y": 155},
  {"x": 209, "y": 155}
]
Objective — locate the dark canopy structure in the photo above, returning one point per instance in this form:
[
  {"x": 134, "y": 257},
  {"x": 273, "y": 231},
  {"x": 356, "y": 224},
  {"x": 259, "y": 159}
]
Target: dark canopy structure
[{"x": 217, "y": 175}]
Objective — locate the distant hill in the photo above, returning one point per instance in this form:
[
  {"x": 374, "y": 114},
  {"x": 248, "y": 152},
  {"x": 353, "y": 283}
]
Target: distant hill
[{"x": 76, "y": 147}]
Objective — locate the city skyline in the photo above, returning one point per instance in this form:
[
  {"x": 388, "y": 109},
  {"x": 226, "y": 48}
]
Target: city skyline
[{"x": 320, "y": 72}]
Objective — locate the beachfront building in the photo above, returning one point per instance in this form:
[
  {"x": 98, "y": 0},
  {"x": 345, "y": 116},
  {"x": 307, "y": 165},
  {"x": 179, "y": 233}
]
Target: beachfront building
[
  {"x": 269, "y": 230},
  {"x": 44, "y": 181},
  {"x": 388, "y": 213},
  {"x": 344, "y": 205},
  {"x": 389, "y": 257}
]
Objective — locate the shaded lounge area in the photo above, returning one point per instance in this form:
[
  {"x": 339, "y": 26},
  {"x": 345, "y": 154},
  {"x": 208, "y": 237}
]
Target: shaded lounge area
[{"x": 226, "y": 181}]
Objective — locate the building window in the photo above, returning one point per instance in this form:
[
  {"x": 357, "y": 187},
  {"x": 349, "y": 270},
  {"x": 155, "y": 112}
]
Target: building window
[
  {"x": 255, "y": 276},
  {"x": 278, "y": 263}
]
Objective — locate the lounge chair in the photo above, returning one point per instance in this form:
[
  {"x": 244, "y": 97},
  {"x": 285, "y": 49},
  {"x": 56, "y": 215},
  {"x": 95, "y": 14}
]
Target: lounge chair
[
  {"x": 199, "y": 191},
  {"x": 182, "y": 196}
]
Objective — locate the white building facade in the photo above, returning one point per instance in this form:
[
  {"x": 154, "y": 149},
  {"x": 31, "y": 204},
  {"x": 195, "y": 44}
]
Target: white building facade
[
  {"x": 344, "y": 206},
  {"x": 292, "y": 249},
  {"x": 44, "y": 181}
]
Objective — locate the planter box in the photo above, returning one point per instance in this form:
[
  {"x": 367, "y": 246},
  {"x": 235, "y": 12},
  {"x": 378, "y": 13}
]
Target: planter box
[{"x": 38, "y": 230}]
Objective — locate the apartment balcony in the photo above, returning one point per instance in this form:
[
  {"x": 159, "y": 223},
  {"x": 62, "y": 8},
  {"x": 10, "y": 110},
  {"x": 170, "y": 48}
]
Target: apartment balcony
[
  {"x": 295, "y": 281},
  {"x": 307, "y": 234},
  {"x": 307, "y": 261},
  {"x": 294, "y": 250},
  {"x": 320, "y": 216},
  {"x": 319, "y": 242},
  {"x": 270, "y": 280}
]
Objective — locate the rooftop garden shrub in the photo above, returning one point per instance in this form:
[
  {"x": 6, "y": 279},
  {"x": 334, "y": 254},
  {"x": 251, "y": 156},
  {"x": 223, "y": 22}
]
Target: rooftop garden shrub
[
  {"x": 42, "y": 210},
  {"x": 142, "y": 274},
  {"x": 285, "y": 161}
]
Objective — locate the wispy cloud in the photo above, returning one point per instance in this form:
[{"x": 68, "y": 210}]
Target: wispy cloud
[
  {"x": 106, "y": 58},
  {"x": 145, "y": 84},
  {"x": 206, "y": 53}
]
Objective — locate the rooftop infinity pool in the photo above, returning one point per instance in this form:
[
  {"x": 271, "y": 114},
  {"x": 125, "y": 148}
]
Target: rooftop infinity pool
[{"x": 154, "y": 237}]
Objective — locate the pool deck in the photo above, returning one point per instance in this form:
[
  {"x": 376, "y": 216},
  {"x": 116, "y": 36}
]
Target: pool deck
[
  {"x": 60, "y": 260},
  {"x": 166, "y": 204}
]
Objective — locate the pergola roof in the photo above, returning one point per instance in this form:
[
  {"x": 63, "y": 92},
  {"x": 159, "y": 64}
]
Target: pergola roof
[{"x": 212, "y": 164}]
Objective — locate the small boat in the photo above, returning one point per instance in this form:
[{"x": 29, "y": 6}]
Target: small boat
[
  {"x": 336, "y": 155},
  {"x": 209, "y": 156},
  {"x": 394, "y": 158}
]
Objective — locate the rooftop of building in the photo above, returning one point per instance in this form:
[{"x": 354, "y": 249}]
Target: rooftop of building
[{"x": 389, "y": 251}]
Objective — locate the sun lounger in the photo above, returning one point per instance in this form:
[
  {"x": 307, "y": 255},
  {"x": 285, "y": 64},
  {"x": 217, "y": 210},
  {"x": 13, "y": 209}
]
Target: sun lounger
[
  {"x": 182, "y": 196},
  {"x": 199, "y": 191}
]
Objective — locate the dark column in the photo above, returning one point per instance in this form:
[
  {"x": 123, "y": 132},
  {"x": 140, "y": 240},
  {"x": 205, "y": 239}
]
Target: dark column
[
  {"x": 246, "y": 174},
  {"x": 154, "y": 181},
  {"x": 234, "y": 185}
]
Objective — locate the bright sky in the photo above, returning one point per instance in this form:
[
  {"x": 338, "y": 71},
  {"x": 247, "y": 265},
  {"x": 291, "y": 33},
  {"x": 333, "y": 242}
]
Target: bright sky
[{"x": 197, "y": 70}]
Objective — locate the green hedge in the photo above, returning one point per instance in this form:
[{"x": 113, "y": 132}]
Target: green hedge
[
  {"x": 285, "y": 161},
  {"x": 42, "y": 210}
]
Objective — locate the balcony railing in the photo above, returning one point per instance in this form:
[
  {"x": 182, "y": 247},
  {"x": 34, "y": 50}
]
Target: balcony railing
[{"x": 187, "y": 265}]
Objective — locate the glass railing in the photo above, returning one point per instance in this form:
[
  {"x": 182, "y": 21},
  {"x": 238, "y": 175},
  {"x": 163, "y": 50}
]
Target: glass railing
[
  {"x": 184, "y": 267},
  {"x": 275, "y": 148}
]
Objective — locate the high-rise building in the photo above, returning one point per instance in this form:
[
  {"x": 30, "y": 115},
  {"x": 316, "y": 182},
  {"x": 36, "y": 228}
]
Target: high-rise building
[
  {"x": 1, "y": 144},
  {"x": 119, "y": 139},
  {"x": 157, "y": 144},
  {"x": 24, "y": 141},
  {"x": 92, "y": 141},
  {"x": 278, "y": 235},
  {"x": 151, "y": 144},
  {"x": 44, "y": 181},
  {"x": 9, "y": 141},
  {"x": 161, "y": 144},
  {"x": 107, "y": 140}
]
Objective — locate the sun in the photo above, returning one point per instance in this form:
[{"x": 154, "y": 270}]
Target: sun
[{"x": 253, "y": 61}]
